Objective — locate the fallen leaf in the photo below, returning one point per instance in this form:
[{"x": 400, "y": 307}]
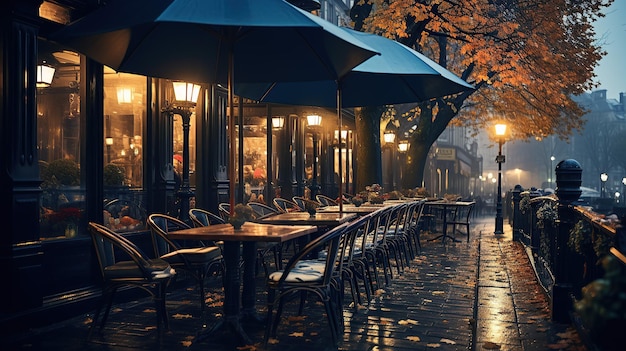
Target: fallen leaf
[
  {"x": 491, "y": 346},
  {"x": 448, "y": 341},
  {"x": 413, "y": 338},
  {"x": 181, "y": 316},
  {"x": 297, "y": 334},
  {"x": 296, "y": 318},
  {"x": 272, "y": 341},
  {"x": 186, "y": 343},
  {"x": 433, "y": 345}
]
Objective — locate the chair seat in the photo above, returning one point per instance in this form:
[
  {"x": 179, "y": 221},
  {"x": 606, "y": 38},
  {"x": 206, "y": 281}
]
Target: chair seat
[
  {"x": 316, "y": 265},
  {"x": 129, "y": 270},
  {"x": 304, "y": 275},
  {"x": 193, "y": 255}
]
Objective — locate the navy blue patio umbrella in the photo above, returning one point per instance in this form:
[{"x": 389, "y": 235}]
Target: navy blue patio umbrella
[
  {"x": 398, "y": 75},
  {"x": 217, "y": 41}
]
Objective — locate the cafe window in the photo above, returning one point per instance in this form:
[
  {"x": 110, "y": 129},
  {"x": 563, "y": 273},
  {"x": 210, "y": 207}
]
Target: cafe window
[
  {"x": 62, "y": 201},
  {"x": 255, "y": 155},
  {"x": 124, "y": 114}
]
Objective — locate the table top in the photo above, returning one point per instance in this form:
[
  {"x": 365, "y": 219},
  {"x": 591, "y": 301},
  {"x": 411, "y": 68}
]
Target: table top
[
  {"x": 304, "y": 218},
  {"x": 250, "y": 231}
]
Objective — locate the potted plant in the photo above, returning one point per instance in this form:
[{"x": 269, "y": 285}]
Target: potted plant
[
  {"x": 311, "y": 207},
  {"x": 114, "y": 175},
  {"x": 241, "y": 214}
]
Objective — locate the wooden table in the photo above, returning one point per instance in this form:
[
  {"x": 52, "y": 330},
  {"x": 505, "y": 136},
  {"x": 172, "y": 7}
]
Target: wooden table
[
  {"x": 349, "y": 208},
  {"x": 320, "y": 219},
  {"x": 249, "y": 234},
  {"x": 446, "y": 207}
]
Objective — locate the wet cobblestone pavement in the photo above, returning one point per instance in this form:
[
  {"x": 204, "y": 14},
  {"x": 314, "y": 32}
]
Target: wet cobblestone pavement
[{"x": 476, "y": 295}]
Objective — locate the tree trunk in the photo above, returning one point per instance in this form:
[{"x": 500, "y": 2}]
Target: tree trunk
[
  {"x": 415, "y": 165},
  {"x": 368, "y": 152}
]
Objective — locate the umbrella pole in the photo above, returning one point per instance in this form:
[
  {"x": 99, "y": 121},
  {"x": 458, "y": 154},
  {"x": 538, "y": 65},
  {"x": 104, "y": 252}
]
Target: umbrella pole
[
  {"x": 231, "y": 131},
  {"x": 340, "y": 150}
]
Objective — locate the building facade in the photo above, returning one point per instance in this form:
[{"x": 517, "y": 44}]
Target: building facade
[{"x": 85, "y": 143}]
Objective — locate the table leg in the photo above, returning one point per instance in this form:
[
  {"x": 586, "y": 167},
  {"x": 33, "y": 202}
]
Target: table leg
[
  {"x": 232, "y": 255},
  {"x": 248, "y": 293}
]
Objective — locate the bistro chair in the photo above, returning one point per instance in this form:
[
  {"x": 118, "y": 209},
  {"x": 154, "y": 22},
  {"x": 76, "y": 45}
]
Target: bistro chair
[
  {"x": 300, "y": 202},
  {"x": 262, "y": 210},
  {"x": 123, "y": 264},
  {"x": 462, "y": 217},
  {"x": 302, "y": 275},
  {"x": 224, "y": 210},
  {"x": 325, "y": 200},
  {"x": 203, "y": 218},
  {"x": 264, "y": 248},
  {"x": 284, "y": 205},
  {"x": 197, "y": 261}
]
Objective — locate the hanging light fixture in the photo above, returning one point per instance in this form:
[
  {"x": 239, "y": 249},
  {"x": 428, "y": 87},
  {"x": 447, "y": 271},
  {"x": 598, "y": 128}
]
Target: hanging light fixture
[
  {"x": 186, "y": 92},
  {"x": 314, "y": 120},
  {"x": 45, "y": 73},
  {"x": 389, "y": 137},
  {"x": 403, "y": 146},
  {"x": 278, "y": 122},
  {"x": 124, "y": 95}
]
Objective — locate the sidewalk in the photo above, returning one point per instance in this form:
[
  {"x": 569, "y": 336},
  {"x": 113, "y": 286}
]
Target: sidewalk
[{"x": 479, "y": 295}]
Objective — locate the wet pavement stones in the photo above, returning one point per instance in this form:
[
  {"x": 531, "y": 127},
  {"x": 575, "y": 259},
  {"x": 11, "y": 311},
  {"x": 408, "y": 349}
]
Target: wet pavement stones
[{"x": 476, "y": 295}]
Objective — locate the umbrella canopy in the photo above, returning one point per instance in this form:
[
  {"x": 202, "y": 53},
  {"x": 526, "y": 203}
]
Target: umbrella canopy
[
  {"x": 398, "y": 75},
  {"x": 271, "y": 40},
  {"x": 217, "y": 41}
]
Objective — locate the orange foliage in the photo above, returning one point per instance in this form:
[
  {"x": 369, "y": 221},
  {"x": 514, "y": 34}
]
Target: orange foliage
[{"x": 526, "y": 58}]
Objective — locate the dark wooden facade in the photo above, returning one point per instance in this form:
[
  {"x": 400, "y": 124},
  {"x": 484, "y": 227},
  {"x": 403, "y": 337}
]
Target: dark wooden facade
[{"x": 48, "y": 280}]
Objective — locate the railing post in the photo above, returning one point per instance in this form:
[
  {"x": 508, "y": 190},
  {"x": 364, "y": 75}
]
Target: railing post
[
  {"x": 568, "y": 181},
  {"x": 517, "y": 216}
]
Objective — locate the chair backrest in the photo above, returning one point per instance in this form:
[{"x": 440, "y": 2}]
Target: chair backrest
[
  {"x": 325, "y": 200},
  {"x": 107, "y": 242},
  {"x": 262, "y": 210},
  {"x": 463, "y": 214},
  {"x": 284, "y": 205},
  {"x": 330, "y": 242},
  {"x": 160, "y": 225},
  {"x": 224, "y": 209},
  {"x": 300, "y": 201},
  {"x": 203, "y": 218}
]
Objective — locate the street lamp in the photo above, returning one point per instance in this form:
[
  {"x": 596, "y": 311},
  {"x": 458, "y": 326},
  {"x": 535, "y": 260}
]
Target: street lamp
[
  {"x": 603, "y": 177},
  {"x": 500, "y": 159},
  {"x": 552, "y": 158},
  {"x": 314, "y": 122},
  {"x": 185, "y": 96},
  {"x": 389, "y": 137}
]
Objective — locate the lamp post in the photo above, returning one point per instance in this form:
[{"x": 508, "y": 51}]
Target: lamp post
[
  {"x": 314, "y": 122},
  {"x": 389, "y": 137},
  {"x": 500, "y": 159},
  {"x": 185, "y": 95},
  {"x": 403, "y": 147},
  {"x": 552, "y": 158},
  {"x": 603, "y": 177}
]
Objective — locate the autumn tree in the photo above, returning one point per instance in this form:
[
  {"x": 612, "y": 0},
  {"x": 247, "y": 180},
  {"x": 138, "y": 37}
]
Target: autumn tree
[{"x": 525, "y": 58}]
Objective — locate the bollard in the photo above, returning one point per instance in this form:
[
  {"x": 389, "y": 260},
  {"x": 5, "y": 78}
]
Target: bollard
[
  {"x": 568, "y": 181},
  {"x": 517, "y": 216}
]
